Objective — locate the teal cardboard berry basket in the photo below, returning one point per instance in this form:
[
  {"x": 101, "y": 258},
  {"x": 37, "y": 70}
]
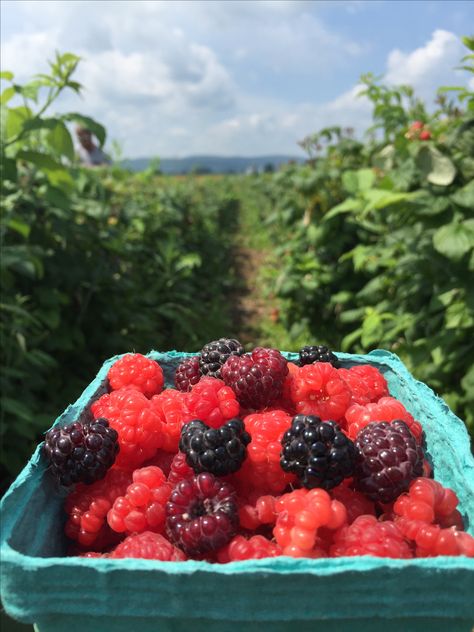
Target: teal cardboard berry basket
[{"x": 57, "y": 593}]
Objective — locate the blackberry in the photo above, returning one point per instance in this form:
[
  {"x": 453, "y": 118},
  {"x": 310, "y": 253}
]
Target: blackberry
[
  {"x": 318, "y": 452},
  {"x": 220, "y": 451},
  {"x": 81, "y": 452},
  {"x": 387, "y": 459},
  {"x": 201, "y": 514},
  {"x": 319, "y": 353},
  {"x": 215, "y": 353},
  {"x": 256, "y": 378},
  {"x": 187, "y": 374}
]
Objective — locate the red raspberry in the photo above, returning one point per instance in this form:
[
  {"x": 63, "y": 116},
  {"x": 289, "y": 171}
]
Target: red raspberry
[
  {"x": 149, "y": 546},
  {"x": 211, "y": 401},
  {"x": 172, "y": 408},
  {"x": 417, "y": 125},
  {"x": 136, "y": 371},
  {"x": 285, "y": 400},
  {"x": 386, "y": 409},
  {"x": 187, "y": 374},
  {"x": 357, "y": 387},
  {"x": 87, "y": 508},
  {"x": 367, "y": 536},
  {"x": 425, "y": 135},
  {"x": 201, "y": 514},
  {"x": 261, "y": 469},
  {"x": 318, "y": 390},
  {"x": 139, "y": 428},
  {"x": 163, "y": 460},
  {"x": 365, "y": 382},
  {"x": 257, "y": 378},
  {"x": 300, "y": 514},
  {"x": 432, "y": 540},
  {"x": 257, "y": 513},
  {"x": 142, "y": 507},
  {"x": 356, "y": 504},
  {"x": 428, "y": 501},
  {"x": 179, "y": 470},
  {"x": 254, "y": 548}
]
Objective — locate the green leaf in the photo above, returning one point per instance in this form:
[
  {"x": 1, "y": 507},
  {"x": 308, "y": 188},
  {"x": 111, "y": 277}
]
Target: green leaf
[
  {"x": 349, "y": 205},
  {"x": 431, "y": 205},
  {"x": 97, "y": 129},
  {"x": 467, "y": 382},
  {"x": 350, "y": 339},
  {"x": 355, "y": 181},
  {"x": 7, "y": 94},
  {"x": 15, "y": 119},
  {"x": 385, "y": 158},
  {"x": 450, "y": 88},
  {"x": 40, "y": 123},
  {"x": 30, "y": 90},
  {"x": 378, "y": 199},
  {"x": 57, "y": 198},
  {"x": 57, "y": 175},
  {"x": 454, "y": 240},
  {"x": 8, "y": 168},
  {"x": 75, "y": 85},
  {"x": 16, "y": 408},
  {"x": 468, "y": 41},
  {"x": 60, "y": 140},
  {"x": 19, "y": 227},
  {"x": 7, "y": 75},
  {"x": 459, "y": 316},
  {"x": 435, "y": 166},
  {"x": 189, "y": 261},
  {"x": 465, "y": 196},
  {"x": 352, "y": 315}
]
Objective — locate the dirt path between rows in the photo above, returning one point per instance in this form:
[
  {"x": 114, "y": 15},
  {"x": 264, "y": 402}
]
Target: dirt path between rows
[{"x": 251, "y": 306}]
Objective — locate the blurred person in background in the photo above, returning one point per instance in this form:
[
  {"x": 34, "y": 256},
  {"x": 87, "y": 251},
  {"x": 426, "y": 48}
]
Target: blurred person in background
[{"x": 90, "y": 154}]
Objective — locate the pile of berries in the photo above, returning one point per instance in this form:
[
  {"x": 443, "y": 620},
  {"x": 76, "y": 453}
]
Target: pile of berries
[{"x": 251, "y": 456}]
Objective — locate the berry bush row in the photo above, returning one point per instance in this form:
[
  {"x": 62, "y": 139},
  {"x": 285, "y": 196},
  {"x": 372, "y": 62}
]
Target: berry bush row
[
  {"x": 94, "y": 262},
  {"x": 375, "y": 239}
]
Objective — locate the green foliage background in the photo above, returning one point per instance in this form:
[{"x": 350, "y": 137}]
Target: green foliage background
[{"x": 370, "y": 244}]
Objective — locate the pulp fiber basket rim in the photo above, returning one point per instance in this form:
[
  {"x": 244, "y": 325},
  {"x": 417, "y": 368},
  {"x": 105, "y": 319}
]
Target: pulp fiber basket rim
[{"x": 30, "y": 479}]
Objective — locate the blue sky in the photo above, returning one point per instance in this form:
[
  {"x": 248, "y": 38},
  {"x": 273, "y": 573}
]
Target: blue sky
[{"x": 244, "y": 77}]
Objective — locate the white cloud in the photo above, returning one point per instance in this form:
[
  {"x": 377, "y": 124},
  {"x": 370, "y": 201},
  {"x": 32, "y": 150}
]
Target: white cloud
[
  {"x": 24, "y": 53},
  {"x": 427, "y": 67}
]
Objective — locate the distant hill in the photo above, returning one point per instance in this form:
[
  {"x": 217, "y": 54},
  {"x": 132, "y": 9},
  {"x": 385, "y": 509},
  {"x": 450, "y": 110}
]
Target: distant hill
[{"x": 212, "y": 164}]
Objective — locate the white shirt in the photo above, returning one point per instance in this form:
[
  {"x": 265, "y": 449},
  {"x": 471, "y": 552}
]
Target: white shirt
[{"x": 92, "y": 157}]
